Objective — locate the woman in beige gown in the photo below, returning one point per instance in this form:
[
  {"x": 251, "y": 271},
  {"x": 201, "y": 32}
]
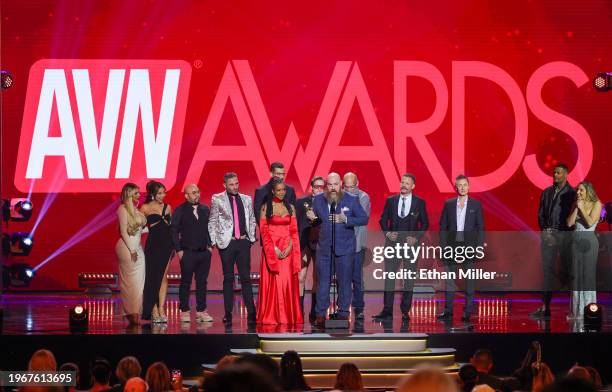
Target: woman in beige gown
[{"x": 130, "y": 253}]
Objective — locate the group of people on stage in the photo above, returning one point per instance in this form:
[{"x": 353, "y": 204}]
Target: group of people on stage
[{"x": 326, "y": 228}]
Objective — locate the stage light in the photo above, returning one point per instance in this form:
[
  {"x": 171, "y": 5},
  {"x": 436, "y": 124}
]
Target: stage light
[
  {"x": 17, "y": 209},
  {"x": 6, "y": 79},
  {"x": 98, "y": 282},
  {"x": 592, "y": 317},
  {"x": 17, "y": 244},
  {"x": 602, "y": 82},
  {"x": 17, "y": 275},
  {"x": 78, "y": 318}
]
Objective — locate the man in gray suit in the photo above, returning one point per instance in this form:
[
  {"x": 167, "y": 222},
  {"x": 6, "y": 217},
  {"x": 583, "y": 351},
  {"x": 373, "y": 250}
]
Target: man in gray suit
[
  {"x": 351, "y": 186},
  {"x": 232, "y": 230}
]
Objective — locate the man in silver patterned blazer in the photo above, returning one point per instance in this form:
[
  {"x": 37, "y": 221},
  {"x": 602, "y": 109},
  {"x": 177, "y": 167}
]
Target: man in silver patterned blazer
[{"x": 232, "y": 230}]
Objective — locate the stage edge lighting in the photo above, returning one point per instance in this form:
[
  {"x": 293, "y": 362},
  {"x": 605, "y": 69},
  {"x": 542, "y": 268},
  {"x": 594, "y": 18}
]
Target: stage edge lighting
[
  {"x": 592, "y": 317},
  {"x": 78, "y": 318}
]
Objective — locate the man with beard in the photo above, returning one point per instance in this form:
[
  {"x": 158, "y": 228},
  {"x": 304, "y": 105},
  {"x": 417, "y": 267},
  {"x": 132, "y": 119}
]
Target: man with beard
[
  {"x": 277, "y": 170},
  {"x": 555, "y": 206},
  {"x": 404, "y": 220},
  {"x": 309, "y": 236},
  {"x": 338, "y": 215},
  {"x": 351, "y": 186}
]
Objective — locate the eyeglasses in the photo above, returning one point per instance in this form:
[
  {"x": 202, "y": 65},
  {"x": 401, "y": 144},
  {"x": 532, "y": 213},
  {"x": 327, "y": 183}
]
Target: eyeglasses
[{"x": 318, "y": 186}]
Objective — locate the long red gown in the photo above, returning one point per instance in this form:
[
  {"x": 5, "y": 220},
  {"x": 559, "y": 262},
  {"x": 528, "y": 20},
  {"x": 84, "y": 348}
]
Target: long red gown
[{"x": 279, "y": 291}]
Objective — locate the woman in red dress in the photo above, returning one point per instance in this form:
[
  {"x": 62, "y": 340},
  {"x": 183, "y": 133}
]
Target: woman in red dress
[{"x": 279, "y": 292}]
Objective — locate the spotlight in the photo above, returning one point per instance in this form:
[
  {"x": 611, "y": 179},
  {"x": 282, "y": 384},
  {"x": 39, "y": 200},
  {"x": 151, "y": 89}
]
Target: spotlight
[
  {"x": 78, "y": 318},
  {"x": 17, "y": 209},
  {"x": 17, "y": 244},
  {"x": 6, "y": 80},
  {"x": 592, "y": 317},
  {"x": 602, "y": 82},
  {"x": 17, "y": 275}
]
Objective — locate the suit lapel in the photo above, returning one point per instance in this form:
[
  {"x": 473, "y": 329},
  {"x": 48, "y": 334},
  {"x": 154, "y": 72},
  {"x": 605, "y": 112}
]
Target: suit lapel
[{"x": 413, "y": 205}]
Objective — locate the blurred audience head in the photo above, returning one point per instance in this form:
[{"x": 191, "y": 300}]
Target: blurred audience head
[
  {"x": 542, "y": 377},
  {"x": 482, "y": 360},
  {"x": 579, "y": 372},
  {"x": 224, "y": 362},
  {"x": 127, "y": 368},
  {"x": 348, "y": 378},
  {"x": 158, "y": 378},
  {"x": 428, "y": 379},
  {"x": 101, "y": 371},
  {"x": 291, "y": 372},
  {"x": 570, "y": 384},
  {"x": 71, "y": 367},
  {"x": 135, "y": 384},
  {"x": 595, "y": 377},
  {"x": 483, "y": 388},
  {"x": 263, "y": 362},
  {"x": 468, "y": 377},
  {"x": 240, "y": 377},
  {"x": 42, "y": 360}
]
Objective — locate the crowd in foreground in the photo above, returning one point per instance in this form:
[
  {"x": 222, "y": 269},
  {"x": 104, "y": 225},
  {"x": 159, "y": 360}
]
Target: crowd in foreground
[{"x": 260, "y": 372}]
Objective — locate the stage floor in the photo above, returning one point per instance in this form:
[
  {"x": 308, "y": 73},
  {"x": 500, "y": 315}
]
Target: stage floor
[{"x": 47, "y": 314}]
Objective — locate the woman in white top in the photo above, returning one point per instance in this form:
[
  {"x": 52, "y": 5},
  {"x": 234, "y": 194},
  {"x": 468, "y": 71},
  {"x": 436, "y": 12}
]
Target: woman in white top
[
  {"x": 130, "y": 253},
  {"x": 584, "y": 217}
]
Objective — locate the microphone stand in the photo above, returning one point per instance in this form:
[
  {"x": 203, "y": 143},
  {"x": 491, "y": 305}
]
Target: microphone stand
[
  {"x": 333, "y": 322},
  {"x": 332, "y": 266}
]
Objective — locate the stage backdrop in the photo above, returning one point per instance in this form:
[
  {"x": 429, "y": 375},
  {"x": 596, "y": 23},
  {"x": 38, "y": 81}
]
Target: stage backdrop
[{"x": 116, "y": 91}]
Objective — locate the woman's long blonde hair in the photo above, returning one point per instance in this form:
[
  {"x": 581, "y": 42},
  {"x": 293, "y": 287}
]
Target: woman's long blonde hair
[
  {"x": 127, "y": 198},
  {"x": 591, "y": 196}
]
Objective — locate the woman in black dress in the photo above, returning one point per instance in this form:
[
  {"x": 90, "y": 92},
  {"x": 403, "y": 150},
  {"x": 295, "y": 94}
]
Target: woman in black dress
[{"x": 158, "y": 250}]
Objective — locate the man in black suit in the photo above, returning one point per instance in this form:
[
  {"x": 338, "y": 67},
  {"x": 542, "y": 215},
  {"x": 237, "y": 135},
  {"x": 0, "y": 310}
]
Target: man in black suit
[
  {"x": 404, "y": 220},
  {"x": 277, "y": 170},
  {"x": 461, "y": 225},
  {"x": 190, "y": 237},
  {"x": 555, "y": 206},
  {"x": 309, "y": 236}
]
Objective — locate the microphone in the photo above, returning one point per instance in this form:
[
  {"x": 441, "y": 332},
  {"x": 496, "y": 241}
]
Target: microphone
[{"x": 332, "y": 207}]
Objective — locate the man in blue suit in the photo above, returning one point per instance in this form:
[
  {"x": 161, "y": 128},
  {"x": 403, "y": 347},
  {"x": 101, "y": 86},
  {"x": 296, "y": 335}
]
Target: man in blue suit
[{"x": 346, "y": 213}]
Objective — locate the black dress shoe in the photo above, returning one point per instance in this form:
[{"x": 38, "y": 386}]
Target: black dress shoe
[
  {"x": 540, "y": 313},
  {"x": 359, "y": 314},
  {"x": 405, "y": 316},
  {"x": 445, "y": 316},
  {"x": 227, "y": 319},
  {"x": 319, "y": 322},
  {"x": 384, "y": 315}
]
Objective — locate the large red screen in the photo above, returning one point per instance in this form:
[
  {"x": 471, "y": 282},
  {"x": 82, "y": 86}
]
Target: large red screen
[{"x": 498, "y": 90}]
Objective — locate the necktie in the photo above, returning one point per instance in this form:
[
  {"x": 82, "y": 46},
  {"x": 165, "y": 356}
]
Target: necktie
[
  {"x": 195, "y": 211},
  {"x": 403, "y": 211},
  {"x": 236, "y": 218}
]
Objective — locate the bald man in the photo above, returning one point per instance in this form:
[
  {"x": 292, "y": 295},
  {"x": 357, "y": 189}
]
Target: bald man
[
  {"x": 191, "y": 240},
  {"x": 351, "y": 186},
  {"x": 338, "y": 214}
]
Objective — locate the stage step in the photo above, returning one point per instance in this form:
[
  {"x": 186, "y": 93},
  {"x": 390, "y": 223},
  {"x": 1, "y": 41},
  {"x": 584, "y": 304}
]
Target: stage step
[
  {"x": 382, "y": 358},
  {"x": 322, "y": 342},
  {"x": 395, "y": 361}
]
